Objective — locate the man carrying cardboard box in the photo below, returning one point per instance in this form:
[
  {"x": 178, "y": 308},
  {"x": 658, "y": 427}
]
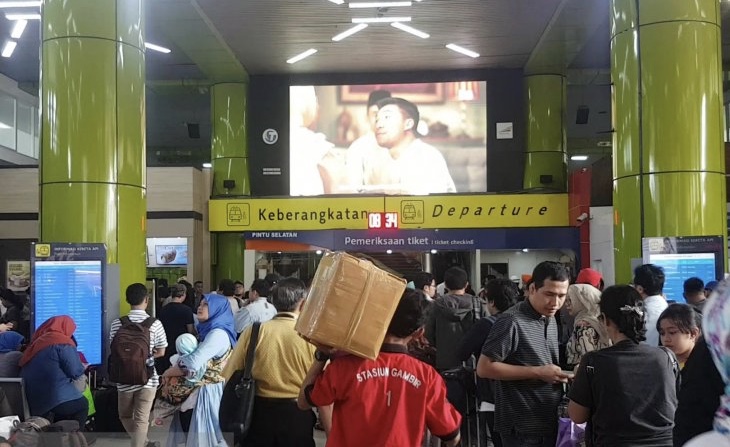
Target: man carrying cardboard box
[{"x": 387, "y": 401}]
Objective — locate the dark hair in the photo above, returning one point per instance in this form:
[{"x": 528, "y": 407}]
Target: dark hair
[
  {"x": 185, "y": 283},
  {"x": 549, "y": 270},
  {"x": 178, "y": 290},
  {"x": 287, "y": 293},
  {"x": 503, "y": 293},
  {"x": 694, "y": 285},
  {"x": 189, "y": 296},
  {"x": 261, "y": 286},
  {"x": 624, "y": 307},
  {"x": 226, "y": 287},
  {"x": 407, "y": 108},
  {"x": 488, "y": 278},
  {"x": 422, "y": 279},
  {"x": 272, "y": 278},
  {"x": 650, "y": 277},
  {"x": 376, "y": 96},
  {"x": 683, "y": 316},
  {"x": 198, "y": 282},
  {"x": 238, "y": 283},
  {"x": 455, "y": 278},
  {"x": 163, "y": 292},
  {"x": 136, "y": 293},
  {"x": 409, "y": 315}
]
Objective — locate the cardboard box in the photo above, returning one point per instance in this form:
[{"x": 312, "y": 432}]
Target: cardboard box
[{"x": 350, "y": 305}]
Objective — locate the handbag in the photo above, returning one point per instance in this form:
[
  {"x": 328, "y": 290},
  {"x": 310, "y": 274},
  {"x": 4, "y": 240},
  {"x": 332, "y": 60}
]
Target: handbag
[
  {"x": 236, "y": 408},
  {"x": 570, "y": 434}
]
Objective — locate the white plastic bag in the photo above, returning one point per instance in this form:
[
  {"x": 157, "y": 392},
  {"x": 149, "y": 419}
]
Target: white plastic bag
[{"x": 7, "y": 424}]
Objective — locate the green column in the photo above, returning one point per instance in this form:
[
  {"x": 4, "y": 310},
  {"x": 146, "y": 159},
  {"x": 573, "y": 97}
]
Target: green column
[
  {"x": 668, "y": 151},
  {"x": 545, "y": 95},
  {"x": 229, "y": 156},
  {"x": 92, "y": 163}
]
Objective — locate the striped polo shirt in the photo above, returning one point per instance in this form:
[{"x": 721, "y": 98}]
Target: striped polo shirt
[
  {"x": 158, "y": 339},
  {"x": 523, "y": 337}
]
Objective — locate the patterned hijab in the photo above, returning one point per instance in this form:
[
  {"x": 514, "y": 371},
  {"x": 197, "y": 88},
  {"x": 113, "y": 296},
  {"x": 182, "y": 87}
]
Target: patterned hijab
[
  {"x": 716, "y": 328},
  {"x": 585, "y": 301}
]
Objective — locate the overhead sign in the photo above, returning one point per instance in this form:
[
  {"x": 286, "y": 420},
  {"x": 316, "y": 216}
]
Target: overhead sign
[{"x": 354, "y": 213}]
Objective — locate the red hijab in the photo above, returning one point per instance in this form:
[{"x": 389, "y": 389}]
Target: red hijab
[{"x": 55, "y": 331}]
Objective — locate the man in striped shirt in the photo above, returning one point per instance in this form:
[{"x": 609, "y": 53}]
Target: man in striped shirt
[
  {"x": 135, "y": 401},
  {"x": 521, "y": 354}
]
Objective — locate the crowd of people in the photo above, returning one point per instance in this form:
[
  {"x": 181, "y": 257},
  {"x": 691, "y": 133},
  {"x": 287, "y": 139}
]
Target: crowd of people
[{"x": 457, "y": 367}]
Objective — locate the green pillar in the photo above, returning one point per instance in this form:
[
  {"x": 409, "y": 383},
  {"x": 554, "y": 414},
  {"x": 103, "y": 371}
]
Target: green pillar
[
  {"x": 229, "y": 156},
  {"x": 92, "y": 163},
  {"x": 545, "y": 95},
  {"x": 668, "y": 151}
]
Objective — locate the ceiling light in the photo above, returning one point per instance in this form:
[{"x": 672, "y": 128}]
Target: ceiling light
[
  {"x": 380, "y": 19},
  {"x": 579, "y": 157},
  {"x": 18, "y": 29},
  {"x": 301, "y": 56},
  {"x": 319, "y": 252},
  {"x": 154, "y": 47},
  {"x": 20, "y": 4},
  {"x": 350, "y": 32},
  {"x": 390, "y": 252},
  {"x": 525, "y": 250},
  {"x": 434, "y": 251},
  {"x": 378, "y": 4},
  {"x": 9, "y": 48},
  {"x": 410, "y": 30},
  {"x": 461, "y": 50},
  {"x": 338, "y": 2},
  {"x": 23, "y": 16},
  {"x": 208, "y": 165}
]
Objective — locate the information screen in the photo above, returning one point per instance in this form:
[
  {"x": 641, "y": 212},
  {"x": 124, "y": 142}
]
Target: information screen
[
  {"x": 679, "y": 267},
  {"x": 72, "y": 288}
]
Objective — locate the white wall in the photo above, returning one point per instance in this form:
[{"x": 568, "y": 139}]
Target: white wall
[
  {"x": 519, "y": 263},
  {"x": 602, "y": 256}
]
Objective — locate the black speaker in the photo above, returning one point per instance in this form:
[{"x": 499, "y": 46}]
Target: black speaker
[
  {"x": 546, "y": 179},
  {"x": 193, "y": 130},
  {"x": 581, "y": 116},
  {"x": 229, "y": 184}
]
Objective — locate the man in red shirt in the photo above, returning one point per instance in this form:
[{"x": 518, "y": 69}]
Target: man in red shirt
[{"x": 389, "y": 401}]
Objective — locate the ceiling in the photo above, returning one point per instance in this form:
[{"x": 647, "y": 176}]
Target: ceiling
[{"x": 228, "y": 40}]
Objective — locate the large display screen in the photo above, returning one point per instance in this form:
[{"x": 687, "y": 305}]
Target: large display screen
[
  {"x": 72, "y": 288},
  {"x": 680, "y": 266},
  {"x": 410, "y": 139},
  {"x": 171, "y": 254}
]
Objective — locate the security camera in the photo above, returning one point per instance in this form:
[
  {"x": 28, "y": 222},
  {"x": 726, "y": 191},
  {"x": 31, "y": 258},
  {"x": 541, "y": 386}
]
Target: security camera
[{"x": 583, "y": 217}]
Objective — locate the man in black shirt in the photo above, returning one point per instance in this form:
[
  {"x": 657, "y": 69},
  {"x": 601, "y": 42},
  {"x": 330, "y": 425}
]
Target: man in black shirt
[
  {"x": 177, "y": 319},
  {"x": 521, "y": 354}
]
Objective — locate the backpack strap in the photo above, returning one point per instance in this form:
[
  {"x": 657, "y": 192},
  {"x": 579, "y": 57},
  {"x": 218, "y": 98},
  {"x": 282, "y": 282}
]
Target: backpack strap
[
  {"x": 148, "y": 322},
  {"x": 125, "y": 320}
]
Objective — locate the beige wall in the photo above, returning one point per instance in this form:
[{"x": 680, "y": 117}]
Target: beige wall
[{"x": 168, "y": 189}]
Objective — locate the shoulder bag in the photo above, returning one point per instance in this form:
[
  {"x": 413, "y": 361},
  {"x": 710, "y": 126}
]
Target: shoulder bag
[{"x": 236, "y": 407}]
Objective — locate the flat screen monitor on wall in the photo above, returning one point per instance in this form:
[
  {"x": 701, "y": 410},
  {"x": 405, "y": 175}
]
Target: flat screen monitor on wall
[
  {"x": 171, "y": 255},
  {"x": 411, "y": 139},
  {"x": 681, "y": 266}
]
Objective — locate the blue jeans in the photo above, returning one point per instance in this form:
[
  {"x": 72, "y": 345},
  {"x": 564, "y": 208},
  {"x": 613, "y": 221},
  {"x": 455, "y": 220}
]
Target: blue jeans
[{"x": 518, "y": 440}]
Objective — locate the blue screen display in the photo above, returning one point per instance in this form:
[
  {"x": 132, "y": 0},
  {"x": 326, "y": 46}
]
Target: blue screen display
[
  {"x": 72, "y": 288},
  {"x": 679, "y": 267}
]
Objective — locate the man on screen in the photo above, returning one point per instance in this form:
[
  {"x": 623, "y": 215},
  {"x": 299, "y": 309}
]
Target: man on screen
[{"x": 410, "y": 166}]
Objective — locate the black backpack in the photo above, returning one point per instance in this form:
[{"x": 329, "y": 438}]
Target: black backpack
[{"x": 129, "y": 352}]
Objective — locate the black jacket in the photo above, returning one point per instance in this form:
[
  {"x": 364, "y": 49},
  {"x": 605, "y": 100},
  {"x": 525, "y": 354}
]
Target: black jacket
[{"x": 450, "y": 319}]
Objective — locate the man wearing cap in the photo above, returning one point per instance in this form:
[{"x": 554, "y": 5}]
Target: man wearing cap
[
  {"x": 410, "y": 165},
  {"x": 591, "y": 277}
]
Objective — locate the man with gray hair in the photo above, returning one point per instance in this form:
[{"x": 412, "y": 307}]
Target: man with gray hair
[{"x": 280, "y": 365}]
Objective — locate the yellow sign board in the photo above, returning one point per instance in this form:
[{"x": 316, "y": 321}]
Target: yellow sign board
[{"x": 351, "y": 213}]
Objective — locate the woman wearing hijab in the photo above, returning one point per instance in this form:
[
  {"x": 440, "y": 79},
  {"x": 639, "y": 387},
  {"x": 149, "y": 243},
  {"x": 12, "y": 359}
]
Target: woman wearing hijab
[
  {"x": 10, "y": 354},
  {"x": 198, "y": 416},
  {"x": 49, "y": 367},
  {"x": 588, "y": 333},
  {"x": 716, "y": 329}
]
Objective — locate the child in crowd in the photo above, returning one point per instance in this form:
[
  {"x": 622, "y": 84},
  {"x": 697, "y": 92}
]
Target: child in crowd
[{"x": 176, "y": 389}]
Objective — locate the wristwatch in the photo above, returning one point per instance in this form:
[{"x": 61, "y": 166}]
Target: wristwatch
[{"x": 321, "y": 356}]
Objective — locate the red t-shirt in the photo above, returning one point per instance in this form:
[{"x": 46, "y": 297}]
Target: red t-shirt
[{"x": 385, "y": 402}]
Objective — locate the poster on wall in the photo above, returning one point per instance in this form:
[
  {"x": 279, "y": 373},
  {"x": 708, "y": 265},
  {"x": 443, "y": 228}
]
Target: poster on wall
[
  {"x": 410, "y": 139},
  {"x": 68, "y": 279},
  {"x": 683, "y": 258},
  {"x": 18, "y": 275}
]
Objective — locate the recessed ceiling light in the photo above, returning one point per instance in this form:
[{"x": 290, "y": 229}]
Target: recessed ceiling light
[
  {"x": 208, "y": 165},
  {"x": 20, "y": 4},
  {"x": 338, "y": 2},
  {"x": 18, "y": 29},
  {"x": 350, "y": 32},
  {"x": 301, "y": 56},
  {"x": 380, "y": 19},
  {"x": 579, "y": 157},
  {"x": 353, "y": 5},
  {"x": 390, "y": 252},
  {"x": 410, "y": 30},
  {"x": 9, "y": 48},
  {"x": 154, "y": 47},
  {"x": 23, "y": 16},
  {"x": 462, "y": 50}
]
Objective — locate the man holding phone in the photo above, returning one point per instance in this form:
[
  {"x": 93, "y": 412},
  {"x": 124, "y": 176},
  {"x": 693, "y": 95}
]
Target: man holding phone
[{"x": 521, "y": 354}]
